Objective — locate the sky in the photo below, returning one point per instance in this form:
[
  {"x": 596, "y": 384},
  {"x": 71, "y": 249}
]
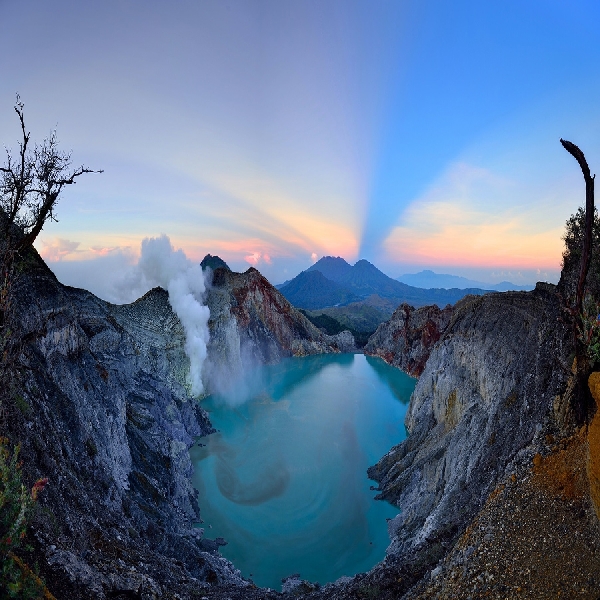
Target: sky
[{"x": 414, "y": 134}]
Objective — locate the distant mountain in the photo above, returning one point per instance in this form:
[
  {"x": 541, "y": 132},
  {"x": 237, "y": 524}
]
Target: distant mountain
[
  {"x": 363, "y": 278},
  {"x": 357, "y": 316},
  {"x": 362, "y": 282},
  {"x": 214, "y": 262},
  {"x": 507, "y": 286},
  {"x": 428, "y": 279},
  {"x": 311, "y": 289},
  {"x": 334, "y": 268}
]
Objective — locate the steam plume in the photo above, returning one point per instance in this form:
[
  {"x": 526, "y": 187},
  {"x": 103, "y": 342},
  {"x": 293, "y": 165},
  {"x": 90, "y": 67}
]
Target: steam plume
[{"x": 160, "y": 264}]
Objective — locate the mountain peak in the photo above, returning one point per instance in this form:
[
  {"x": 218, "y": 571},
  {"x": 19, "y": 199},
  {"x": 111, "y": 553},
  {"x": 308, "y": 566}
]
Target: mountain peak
[
  {"x": 332, "y": 267},
  {"x": 364, "y": 263},
  {"x": 214, "y": 262}
]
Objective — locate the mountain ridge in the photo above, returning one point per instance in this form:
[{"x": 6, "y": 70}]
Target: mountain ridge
[
  {"x": 429, "y": 279},
  {"x": 361, "y": 281}
]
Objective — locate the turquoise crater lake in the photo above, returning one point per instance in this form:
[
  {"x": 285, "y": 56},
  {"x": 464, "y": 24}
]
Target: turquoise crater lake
[{"x": 284, "y": 479}]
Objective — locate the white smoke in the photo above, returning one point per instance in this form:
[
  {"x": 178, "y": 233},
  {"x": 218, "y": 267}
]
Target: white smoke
[{"x": 160, "y": 264}]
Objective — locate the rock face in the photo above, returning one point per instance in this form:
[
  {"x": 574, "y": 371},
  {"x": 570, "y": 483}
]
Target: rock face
[
  {"x": 251, "y": 323},
  {"x": 406, "y": 340},
  {"x": 102, "y": 408},
  {"x": 487, "y": 391}
]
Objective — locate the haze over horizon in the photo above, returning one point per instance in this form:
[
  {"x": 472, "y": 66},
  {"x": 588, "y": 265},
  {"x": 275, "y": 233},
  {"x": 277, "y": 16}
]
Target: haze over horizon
[{"x": 415, "y": 135}]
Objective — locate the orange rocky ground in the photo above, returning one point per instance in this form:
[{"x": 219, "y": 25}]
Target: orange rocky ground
[{"x": 538, "y": 535}]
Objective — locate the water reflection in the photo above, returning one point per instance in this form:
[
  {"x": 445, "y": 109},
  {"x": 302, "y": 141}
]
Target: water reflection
[
  {"x": 284, "y": 481},
  {"x": 402, "y": 387}
]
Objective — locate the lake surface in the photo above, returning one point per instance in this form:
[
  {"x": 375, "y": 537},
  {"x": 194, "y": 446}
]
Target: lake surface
[{"x": 284, "y": 480}]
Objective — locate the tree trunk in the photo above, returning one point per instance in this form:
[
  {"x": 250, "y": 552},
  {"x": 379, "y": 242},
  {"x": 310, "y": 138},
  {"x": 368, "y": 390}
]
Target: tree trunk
[{"x": 583, "y": 400}]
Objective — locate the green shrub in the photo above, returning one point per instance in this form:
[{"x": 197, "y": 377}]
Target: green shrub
[
  {"x": 589, "y": 331},
  {"x": 17, "y": 579}
]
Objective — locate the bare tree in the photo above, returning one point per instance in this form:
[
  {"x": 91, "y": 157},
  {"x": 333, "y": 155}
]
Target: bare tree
[
  {"x": 30, "y": 184},
  {"x": 583, "y": 396},
  {"x": 31, "y": 181}
]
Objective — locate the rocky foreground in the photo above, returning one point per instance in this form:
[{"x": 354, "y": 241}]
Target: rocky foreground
[
  {"x": 102, "y": 408},
  {"x": 493, "y": 481}
]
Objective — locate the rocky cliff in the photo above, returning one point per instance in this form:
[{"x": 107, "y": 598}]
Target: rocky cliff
[
  {"x": 251, "y": 323},
  {"x": 486, "y": 391},
  {"x": 406, "y": 340},
  {"x": 491, "y": 395},
  {"x": 101, "y": 407}
]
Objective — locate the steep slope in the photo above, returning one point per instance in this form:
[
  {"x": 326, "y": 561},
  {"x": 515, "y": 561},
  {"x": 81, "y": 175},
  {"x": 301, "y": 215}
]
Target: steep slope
[
  {"x": 102, "y": 408},
  {"x": 406, "y": 340},
  {"x": 486, "y": 392},
  {"x": 252, "y": 323},
  {"x": 104, "y": 413},
  {"x": 500, "y": 352}
]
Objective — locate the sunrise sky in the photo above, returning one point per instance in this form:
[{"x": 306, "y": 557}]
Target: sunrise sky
[{"x": 420, "y": 134}]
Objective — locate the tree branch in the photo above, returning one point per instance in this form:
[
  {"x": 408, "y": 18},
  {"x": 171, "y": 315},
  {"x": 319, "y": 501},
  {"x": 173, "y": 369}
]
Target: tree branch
[
  {"x": 582, "y": 405},
  {"x": 31, "y": 183},
  {"x": 589, "y": 219}
]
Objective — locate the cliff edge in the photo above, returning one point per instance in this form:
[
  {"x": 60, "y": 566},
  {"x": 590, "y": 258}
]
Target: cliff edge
[{"x": 101, "y": 406}]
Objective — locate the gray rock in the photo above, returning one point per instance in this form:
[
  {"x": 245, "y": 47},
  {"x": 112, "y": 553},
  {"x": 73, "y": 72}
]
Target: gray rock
[
  {"x": 110, "y": 420},
  {"x": 486, "y": 391}
]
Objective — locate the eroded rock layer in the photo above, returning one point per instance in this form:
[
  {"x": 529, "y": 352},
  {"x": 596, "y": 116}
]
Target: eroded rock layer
[
  {"x": 406, "y": 340},
  {"x": 102, "y": 408},
  {"x": 486, "y": 393}
]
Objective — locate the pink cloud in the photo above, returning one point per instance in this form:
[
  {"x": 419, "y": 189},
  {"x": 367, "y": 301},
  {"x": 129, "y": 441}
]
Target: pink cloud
[
  {"x": 104, "y": 251},
  {"x": 57, "y": 249},
  {"x": 253, "y": 258}
]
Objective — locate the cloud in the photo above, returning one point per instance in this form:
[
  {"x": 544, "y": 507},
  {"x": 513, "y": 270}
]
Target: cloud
[
  {"x": 103, "y": 251},
  {"x": 98, "y": 275},
  {"x": 253, "y": 258},
  {"x": 472, "y": 217},
  {"x": 58, "y": 248}
]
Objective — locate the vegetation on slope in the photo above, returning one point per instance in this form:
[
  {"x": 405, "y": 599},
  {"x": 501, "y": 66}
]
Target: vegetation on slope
[
  {"x": 359, "y": 316},
  {"x": 332, "y": 326},
  {"x": 17, "y": 579}
]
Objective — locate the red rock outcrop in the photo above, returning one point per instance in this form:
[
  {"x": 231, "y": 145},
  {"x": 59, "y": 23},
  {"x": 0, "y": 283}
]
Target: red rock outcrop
[
  {"x": 405, "y": 341},
  {"x": 251, "y": 323}
]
